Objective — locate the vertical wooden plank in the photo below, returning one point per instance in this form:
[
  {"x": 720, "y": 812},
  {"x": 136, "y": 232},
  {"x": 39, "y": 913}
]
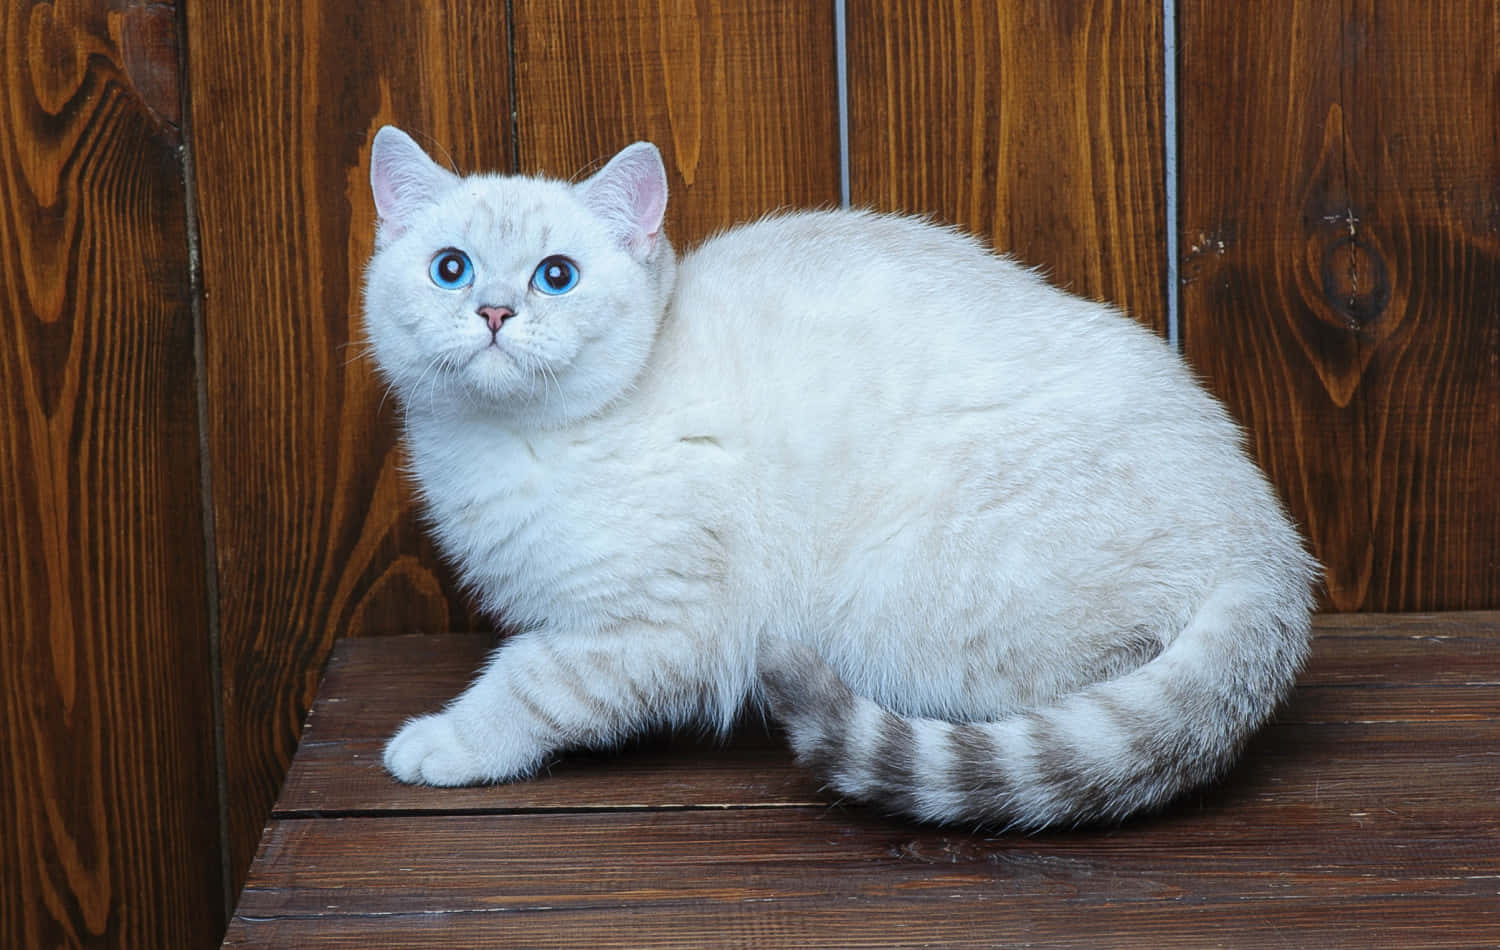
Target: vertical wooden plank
[
  {"x": 1037, "y": 124},
  {"x": 316, "y": 531},
  {"x": 741, "y": 98},
  {"x": 1341, "y": 236},
  {"x": 108, "y": 815}
]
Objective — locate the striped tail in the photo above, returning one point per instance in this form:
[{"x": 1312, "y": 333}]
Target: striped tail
[{"x": 1108, "y": 751}]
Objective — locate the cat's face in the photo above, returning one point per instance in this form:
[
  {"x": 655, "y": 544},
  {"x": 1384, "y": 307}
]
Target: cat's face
[{"x": 525, "y": 298}]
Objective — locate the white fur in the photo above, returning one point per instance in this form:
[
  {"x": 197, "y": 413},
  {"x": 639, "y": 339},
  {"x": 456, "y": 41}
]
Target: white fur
[{"x": 971, "y": 493}]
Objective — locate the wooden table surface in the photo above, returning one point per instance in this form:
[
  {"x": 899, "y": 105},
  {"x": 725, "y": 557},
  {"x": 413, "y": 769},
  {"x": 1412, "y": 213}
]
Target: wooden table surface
[{"x": 1367, "y": 815}]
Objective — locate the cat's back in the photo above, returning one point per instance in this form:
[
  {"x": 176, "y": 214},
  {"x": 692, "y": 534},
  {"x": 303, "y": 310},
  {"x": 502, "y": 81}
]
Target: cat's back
[
  {"x": 896, "y": 313},
  {"x": 819, "y": 264},
  {"x": 840, "y": 283},
  {"x": 864, "y": 235}
]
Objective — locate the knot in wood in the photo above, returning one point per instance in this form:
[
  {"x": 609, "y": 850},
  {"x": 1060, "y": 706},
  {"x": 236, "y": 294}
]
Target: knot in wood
[{"x": 1356, "y": 281}]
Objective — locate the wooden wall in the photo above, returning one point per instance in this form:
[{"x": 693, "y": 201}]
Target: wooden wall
[
  {"x": 201, "y": 479},
  {"x": 1341, "y": 262},
  {"x": 109, "y": 826}
]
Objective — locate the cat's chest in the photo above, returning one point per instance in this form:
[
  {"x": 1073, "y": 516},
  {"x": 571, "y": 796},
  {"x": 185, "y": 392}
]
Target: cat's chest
[
  {"x": 495, "y": 496},
  {"x": 534, "y": 522}
]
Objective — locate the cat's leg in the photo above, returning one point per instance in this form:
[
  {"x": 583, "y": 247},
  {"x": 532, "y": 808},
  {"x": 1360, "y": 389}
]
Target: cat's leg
[{"x": 545, "y": 691}]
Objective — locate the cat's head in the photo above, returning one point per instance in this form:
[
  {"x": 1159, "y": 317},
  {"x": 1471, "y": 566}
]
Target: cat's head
[{"x": 525, "y": 298}]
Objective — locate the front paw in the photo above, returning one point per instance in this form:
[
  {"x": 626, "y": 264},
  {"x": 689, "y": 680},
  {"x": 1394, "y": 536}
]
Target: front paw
[{"x": 429, "y": 751}]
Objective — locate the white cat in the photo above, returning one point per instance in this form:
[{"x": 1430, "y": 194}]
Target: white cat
[{"x": 984, "y": 548}]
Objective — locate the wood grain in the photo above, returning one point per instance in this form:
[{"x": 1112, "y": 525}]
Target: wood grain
[
  {"x": 1341, "y": 236},
  {"x": 740, "y": 98},
  {"x": 1335, "y": 830},
  {"x": 985, "y": 922},
  {"x": 1033, "y": 123},
  {"x": 316, "y": 530},
  {"x": 558, "y": 864},
  {"x": 106, "y": 734}
]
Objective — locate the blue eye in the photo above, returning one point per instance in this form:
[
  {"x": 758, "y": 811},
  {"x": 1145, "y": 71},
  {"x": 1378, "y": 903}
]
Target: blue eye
[
  {"x": 555, "y": 275},
  {"x": 451, "y": 269}
]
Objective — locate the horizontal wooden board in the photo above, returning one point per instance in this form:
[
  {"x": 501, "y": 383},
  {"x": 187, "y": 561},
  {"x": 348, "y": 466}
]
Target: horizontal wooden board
[
  {"x": 544, "y": 862},
  {"x": 1357, "y": 703},
  {"x": 1471, "y": 624},
  {"x": 1354, "y": 922},
  {"x": 1395, "y": 661},
  {"x": 832, "y": 875}
]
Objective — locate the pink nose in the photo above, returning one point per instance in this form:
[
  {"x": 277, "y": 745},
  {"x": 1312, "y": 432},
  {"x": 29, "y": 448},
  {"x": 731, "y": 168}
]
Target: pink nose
[{"x": 495, "y": 317}]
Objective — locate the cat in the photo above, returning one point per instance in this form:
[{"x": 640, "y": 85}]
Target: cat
[{"x": 985, "y": 549}]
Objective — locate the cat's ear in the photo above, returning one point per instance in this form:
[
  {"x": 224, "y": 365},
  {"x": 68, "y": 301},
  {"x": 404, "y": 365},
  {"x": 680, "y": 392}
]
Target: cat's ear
[
  {"x": 404, "y": 179},
  {"x": 630, "y": 193}
]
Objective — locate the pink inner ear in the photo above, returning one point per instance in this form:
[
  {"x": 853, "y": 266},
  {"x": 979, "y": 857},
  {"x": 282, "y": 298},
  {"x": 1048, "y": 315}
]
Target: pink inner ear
[
  {"x": 403, "y": 179},
  {"x": 650, "y": 207},
  {"x": 651, "y": 199},
  {"x": 631, "y": 193},
  {"x": 384, "y": 191}
]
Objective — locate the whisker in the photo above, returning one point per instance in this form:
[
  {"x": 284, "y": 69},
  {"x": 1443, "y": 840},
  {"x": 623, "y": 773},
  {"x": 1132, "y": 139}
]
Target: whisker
[
  {"x": 442, "y": 364},
  {"x": 358, "y": 357},
  {"x": 390, "y": 387},
  {"x": 561, "y": 399}
]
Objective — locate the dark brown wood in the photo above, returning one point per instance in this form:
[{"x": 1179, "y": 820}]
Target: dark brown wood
[
  {"x": 741, "y": 98},
  {"x": 317, "y": 535},
  {"x": 106, "y": 733},
  {"x": 1034, "y": 123},
  {"x": 519, "y": 862},
  {"x": 984, "y": 922},
  {"x": 1359, "y": 825},
  {"x": 1341, "y": 272}
]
